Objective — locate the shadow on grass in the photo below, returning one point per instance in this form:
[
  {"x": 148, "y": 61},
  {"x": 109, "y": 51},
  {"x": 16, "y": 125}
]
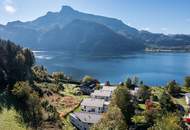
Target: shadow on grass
[{"x": 9, "y": 102}]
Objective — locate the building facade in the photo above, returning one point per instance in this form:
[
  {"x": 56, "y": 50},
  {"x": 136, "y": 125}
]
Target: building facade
[{"x": 84, "y": 120}]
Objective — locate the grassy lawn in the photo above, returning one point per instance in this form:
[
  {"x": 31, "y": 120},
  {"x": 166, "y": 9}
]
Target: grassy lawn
[
  {"x": 186, "y": 90},
  {"x": 8, "y": 120},
  {"x": 142, "y": 106},
  {"x": 68, "y": 125},
  {"x": 157, "y": 91},
  {"x": 70, "y": 89},
  {"x": 181, "y": 101}
]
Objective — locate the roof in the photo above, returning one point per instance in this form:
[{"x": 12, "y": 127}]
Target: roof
[
  {"x": 92, "y": 102},
  {"x": 187, "y": 94},
  {"x": 106, "y": 103},
  {"x": 101, "y": 93},
  {"x": 87, "y": 117},
  {"x": 109, "y": 88}
]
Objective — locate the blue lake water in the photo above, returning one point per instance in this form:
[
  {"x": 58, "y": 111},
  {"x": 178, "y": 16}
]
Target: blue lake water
[{"x": 152, "y": 68}]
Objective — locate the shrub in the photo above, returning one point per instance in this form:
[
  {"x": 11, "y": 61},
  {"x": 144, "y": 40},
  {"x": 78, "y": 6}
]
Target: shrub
[
  {"x": 166, "y": 103},
  {"x": 173, "y": 88},
  {"x": 151, "y": 115},
  {"x": 45, "y": 104},
  {"x": 123, "y": 99},
  {"x": 57, "y": 76},
  {"x": 128, "y": 83},
  {"x": 21, "y": 90},
  {"x": 28, "y": 103},
  {"x": 15, "y": 64},
  {"x": 87, "y": 79},
  {"x": 187, "y": 82},
  {"x": 144, "y": 93},
  {"x": 155, "y": 98},
  {"x": 138, "y": 119},
  {"x": 60, "y": 86},
  {"x": 112, "y": 120},
  {"x": 40, "y": 74},
  {"x": 169, "y": 121}
]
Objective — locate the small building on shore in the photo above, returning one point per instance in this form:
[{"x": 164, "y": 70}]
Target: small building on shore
[
  {"x": 84, "y": 120},
  {"x": 94, "y": 105}
]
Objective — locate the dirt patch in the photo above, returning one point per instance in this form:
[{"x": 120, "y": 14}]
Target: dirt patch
[
  {"x": 68, "y": 104},
  {"x": 63, "y": 104}
]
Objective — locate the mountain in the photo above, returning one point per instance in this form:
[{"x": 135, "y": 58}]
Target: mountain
[
  {"x": 73, "y": 30},
  {"x": 67, "y": 15},
  {"x": 85, "y": 36},
  {"x": 24, "y": 36},
  {"x": 161, "y": 40}
]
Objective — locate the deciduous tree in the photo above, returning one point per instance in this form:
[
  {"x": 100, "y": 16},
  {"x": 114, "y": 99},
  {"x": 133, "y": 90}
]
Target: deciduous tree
[{"x": 112, "y": 120}]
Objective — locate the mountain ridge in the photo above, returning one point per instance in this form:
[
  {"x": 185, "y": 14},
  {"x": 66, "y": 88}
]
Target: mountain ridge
[
  {"x": 32, "y": 33},
  {"x": 88, "y": 42}
]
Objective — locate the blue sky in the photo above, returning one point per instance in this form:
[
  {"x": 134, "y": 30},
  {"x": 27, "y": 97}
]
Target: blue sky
[{"x": 166, "y": 16}]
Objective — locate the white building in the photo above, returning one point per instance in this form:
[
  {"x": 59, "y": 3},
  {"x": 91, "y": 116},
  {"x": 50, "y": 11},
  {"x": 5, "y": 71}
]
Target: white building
[
  {"x": 101, "y": 94},
  {"x": 84, "y": 120},
  {"x": 109, "y": 88},
  {"x": 94, "y": 105},
  {"x": 187, "y": 98}
]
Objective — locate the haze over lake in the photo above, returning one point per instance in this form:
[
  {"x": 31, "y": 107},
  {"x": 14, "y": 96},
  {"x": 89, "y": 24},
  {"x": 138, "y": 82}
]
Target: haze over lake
[{"x": 152, "y": 68}]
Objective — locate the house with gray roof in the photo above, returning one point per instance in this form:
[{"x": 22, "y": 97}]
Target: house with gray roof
[
  {"x": 94, "y": 105},
  {"x": 109, "y": 88},
  {"x": 84, "y": 120},
  {"x": 101, "y": 94}
]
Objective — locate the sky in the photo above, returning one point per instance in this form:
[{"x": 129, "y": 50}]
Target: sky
[{"x": 161, "y": 16}]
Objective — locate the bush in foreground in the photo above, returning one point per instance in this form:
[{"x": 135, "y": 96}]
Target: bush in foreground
[
  {"x": 112, "y": 120},
  {"x": 169, "y": 121},
  {"x": 29, "y": 103}
]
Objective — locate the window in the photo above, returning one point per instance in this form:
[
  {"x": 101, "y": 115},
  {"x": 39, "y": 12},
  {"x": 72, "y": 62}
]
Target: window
[{"x": 93, "y": 110}]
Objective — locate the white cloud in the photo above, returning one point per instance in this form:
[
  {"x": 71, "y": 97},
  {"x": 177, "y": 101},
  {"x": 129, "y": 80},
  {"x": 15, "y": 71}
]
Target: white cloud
[{"x": 9, "y": 7}]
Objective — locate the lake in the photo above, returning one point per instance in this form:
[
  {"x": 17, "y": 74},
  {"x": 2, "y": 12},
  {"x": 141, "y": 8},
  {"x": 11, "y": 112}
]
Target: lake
[{"x": 152, "y": 68}]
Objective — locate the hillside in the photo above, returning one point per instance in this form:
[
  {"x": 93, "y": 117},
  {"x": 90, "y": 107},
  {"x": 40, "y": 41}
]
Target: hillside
[
  {"x": 87, "y": 37},
  {"x": 18, "y": 91},
  {"x": 30, "y": 97}
]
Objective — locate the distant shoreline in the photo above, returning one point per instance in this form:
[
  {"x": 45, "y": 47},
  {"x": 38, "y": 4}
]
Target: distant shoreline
[{"x": 166, "y": 50}]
